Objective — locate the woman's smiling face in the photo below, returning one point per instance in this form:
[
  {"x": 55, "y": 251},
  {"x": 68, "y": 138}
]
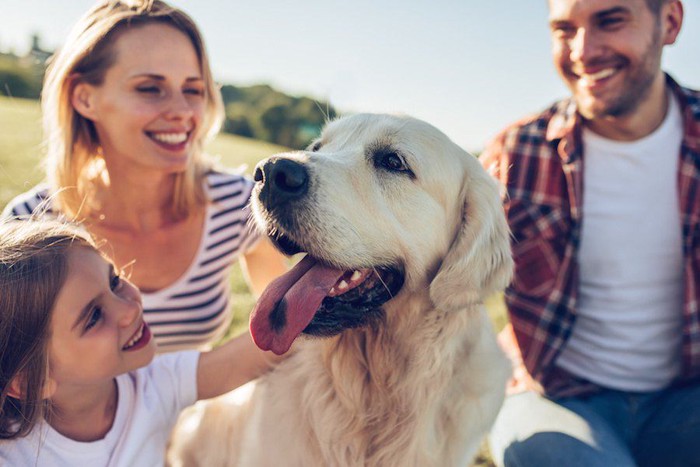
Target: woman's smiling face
[{"x": 148, "y": 110}]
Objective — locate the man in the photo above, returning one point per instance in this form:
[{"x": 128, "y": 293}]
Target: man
[{"x": 603, "y": 199}]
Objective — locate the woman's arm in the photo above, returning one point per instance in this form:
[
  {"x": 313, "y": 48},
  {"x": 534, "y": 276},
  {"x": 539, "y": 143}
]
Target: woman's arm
[
  {"x": 231, "y": 365},
  {"x": 262, "y": 264}
]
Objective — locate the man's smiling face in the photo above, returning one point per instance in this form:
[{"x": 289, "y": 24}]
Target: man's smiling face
[{"x": 608, "y": 52}]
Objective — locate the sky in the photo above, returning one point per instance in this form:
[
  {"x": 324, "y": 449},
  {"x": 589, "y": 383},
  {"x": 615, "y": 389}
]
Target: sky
[{"x": 469, "y": 67}]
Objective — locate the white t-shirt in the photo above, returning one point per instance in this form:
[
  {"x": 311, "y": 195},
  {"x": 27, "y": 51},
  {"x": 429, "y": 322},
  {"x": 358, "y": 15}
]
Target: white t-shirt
[
  {"x": 149, "y": 402},
  {"x": 629, "y": 317}
]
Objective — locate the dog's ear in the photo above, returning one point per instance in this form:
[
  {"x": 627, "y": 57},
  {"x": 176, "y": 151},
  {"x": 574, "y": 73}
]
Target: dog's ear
[{"x": 479, "y": 261}]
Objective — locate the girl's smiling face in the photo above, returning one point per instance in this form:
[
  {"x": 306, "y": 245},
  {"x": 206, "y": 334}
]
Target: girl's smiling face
[
  {"x": 97, "y": 327},
  {"x": 148, "y": 110}
]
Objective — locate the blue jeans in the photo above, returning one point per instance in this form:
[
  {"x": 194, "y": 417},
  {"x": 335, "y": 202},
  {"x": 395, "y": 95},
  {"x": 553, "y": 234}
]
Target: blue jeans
[{"x": 610, "y": 429}]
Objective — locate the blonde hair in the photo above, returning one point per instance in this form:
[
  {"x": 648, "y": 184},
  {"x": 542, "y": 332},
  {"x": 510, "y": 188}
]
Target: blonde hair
[
  {"x": 73, "y": 162},
  {"x": 33, "y": 268}
]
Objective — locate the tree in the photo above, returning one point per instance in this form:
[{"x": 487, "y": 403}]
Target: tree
[{"x": 262, "y": 112}]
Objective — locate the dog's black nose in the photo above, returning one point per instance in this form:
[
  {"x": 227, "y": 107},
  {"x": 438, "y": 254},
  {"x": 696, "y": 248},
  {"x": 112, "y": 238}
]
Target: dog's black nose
[{"x": 283, "y": 180}]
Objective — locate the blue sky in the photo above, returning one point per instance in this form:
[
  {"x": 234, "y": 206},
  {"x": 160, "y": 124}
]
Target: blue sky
[{"x": 467, "y": 66}]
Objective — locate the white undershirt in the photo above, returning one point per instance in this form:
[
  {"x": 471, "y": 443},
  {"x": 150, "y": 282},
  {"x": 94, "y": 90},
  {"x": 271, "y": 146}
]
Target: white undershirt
[{"x": 629, "y": 325}]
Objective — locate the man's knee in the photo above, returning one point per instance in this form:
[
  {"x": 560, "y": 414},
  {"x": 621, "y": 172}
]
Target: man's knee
[
  {"x": 534, "y": 431},
  {"x": 559, "y": 449}
]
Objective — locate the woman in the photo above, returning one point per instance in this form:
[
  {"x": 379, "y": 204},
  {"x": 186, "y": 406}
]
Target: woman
[{"x": 128, "y": 103}]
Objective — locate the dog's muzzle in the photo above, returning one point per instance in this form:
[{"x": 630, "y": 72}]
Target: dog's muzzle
[{"x": 282, "y": 181}]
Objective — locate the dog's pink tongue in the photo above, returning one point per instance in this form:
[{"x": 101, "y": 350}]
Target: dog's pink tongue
[{"x": 289, "y": 303}]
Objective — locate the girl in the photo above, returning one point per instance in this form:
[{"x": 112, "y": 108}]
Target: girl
[
  {"x": 78, "y": 379},
  {"x": 128, "y": 104}
]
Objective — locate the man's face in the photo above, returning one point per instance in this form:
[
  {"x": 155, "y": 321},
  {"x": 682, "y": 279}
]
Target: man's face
[{"x": 608, "y": 52}]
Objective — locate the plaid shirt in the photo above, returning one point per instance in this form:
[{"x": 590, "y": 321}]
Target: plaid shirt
[{"x": 540, "y": 162}]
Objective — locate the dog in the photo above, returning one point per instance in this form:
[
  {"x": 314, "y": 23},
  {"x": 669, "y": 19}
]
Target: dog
[{"x": 405, "y": 237}]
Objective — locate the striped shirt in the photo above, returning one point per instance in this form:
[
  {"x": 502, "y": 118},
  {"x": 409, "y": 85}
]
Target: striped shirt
[
  {"x": 194, "y": 311},
  {"x": 539, "y": 160}
]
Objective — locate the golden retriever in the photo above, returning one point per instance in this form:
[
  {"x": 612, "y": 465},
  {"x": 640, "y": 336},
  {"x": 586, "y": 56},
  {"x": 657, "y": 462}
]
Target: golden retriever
[{"x": 405, "y": 237}]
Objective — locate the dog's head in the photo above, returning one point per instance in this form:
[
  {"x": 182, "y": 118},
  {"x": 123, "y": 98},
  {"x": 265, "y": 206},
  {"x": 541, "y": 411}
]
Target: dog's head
[{"x": 383, "y": 205}]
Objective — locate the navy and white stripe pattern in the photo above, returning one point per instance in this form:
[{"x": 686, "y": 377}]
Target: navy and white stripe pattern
[
  {"x": 30, "y": 202},
  {"x": 194, "y": 311}
]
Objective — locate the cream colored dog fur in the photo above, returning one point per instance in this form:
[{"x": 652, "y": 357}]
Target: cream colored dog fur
[{"x": 421, "y": 384}]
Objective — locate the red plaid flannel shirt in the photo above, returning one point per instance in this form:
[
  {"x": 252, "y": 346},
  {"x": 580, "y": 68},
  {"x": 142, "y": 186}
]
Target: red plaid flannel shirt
[{"x": 540, "y": 162}]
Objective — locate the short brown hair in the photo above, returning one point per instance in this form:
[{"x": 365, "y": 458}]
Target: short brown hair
[
  {"x": 655, "y": 5},
  {"x": 33, "y": 268}
]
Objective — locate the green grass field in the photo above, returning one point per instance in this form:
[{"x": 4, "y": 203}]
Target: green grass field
[{"x": 20, "y": 169}]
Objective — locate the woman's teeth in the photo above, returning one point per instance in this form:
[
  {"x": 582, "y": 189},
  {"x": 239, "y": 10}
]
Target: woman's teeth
[
  {"x": 170, "y": 138},
  {"x": 135, "y": 338}
]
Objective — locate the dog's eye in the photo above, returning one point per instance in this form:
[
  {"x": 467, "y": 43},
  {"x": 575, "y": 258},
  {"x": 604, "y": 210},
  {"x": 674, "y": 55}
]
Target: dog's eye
[
  {"x": 391, "y": 160},
  {"x": 315, "y": 146}
]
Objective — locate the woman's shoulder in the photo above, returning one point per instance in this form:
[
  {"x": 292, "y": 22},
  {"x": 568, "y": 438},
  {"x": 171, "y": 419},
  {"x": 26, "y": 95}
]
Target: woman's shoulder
[
  {"x": 223, "y": 186},
  {"x": 220, "y": 177},
  {"x": 228, "y": 194},
  {"x": 34, "y": 201}
]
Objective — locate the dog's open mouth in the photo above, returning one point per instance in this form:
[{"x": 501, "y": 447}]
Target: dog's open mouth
[{"x": 318, "y": 299}]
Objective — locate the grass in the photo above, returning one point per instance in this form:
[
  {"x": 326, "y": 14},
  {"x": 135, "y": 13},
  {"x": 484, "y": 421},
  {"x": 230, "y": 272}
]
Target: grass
[
  {"x": 20, "y": 169},
  {"x": 20, "y": 147}
]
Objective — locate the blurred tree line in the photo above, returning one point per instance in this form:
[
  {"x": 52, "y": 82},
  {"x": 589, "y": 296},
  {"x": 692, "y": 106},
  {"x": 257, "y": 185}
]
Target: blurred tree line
[
  {"x": 20, "y": 77},
  {"x": 257, "y": 111},
  {"x": 261, "y": 112}
]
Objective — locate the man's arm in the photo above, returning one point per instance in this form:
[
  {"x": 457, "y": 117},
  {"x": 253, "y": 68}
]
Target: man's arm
[{"x": 496, "y": 160}]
